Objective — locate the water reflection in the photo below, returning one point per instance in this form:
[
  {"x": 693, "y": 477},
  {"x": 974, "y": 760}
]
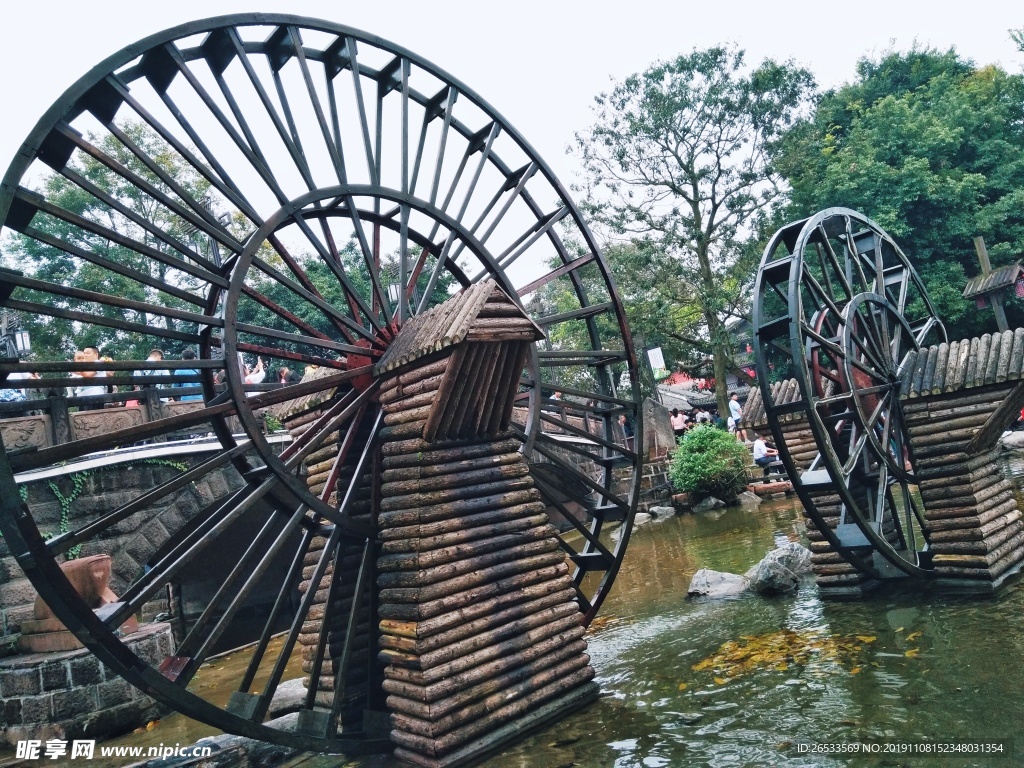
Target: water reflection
[{"x": 935, "y": 667}]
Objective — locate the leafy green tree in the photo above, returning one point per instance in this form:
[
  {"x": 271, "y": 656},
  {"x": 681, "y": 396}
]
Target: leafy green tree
[
  {"x": 710, "y": 462},
  {"x": 55, "y": 338},
  {"x": 677, "y": 161},
  {"x": 932, "y": 148}
]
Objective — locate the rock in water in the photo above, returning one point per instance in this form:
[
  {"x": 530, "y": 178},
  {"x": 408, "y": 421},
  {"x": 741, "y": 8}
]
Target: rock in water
[
  {"x": 794, "y": 556},
  {"x": 770, "y": 577},
  {"x": 708, "y": 504},
  {"x": 708, "y": 583},
  {"x": 748, "y": 500},
  {"x": 662, "y": 511},
  {"x": 1012, "y": 440},
  {"x": 642, "y": 518}
]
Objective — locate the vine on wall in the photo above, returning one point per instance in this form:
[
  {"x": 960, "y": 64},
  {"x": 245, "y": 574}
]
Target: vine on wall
[{"x": 78, "y": 483}]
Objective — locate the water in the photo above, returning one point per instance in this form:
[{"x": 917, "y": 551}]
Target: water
[{"x": 852, "y": 679}]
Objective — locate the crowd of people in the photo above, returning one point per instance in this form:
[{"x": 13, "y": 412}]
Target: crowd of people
[
  {"x": 91, "y": 382},
  {"x": 764, "y": 454}
]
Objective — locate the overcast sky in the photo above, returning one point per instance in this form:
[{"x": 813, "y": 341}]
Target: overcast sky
[{"x": 538, "y": 63}]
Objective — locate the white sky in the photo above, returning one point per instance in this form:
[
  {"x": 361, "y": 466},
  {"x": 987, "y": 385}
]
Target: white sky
[{"x": 538, "y": 63}]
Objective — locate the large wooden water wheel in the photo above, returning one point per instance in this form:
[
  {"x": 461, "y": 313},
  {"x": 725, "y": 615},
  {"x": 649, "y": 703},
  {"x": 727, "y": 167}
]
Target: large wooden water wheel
[
  {"x": 839, "y": 308},
  {"x": 275, "y": 188}
]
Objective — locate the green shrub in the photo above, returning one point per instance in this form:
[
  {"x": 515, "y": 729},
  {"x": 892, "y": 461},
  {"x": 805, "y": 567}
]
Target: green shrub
[{"x": 710, "y": 462}]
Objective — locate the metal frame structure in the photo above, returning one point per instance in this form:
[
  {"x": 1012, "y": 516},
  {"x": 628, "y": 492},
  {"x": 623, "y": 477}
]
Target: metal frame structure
[
  {"x": 323, "y": 165},
  {"x": 839, "y": 308}
]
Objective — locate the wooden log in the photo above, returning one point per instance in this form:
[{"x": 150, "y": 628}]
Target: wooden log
[
  {"x": 938, "y": 491},
  {"x": 973, "y": 520},
  {"x": 450, "y": 455},
  {"x": 433, "y": 470},
  {"x": 397, "y": 493},
  {"x": 841, "y": 579},
  {"x": 490, "y": 721},
  {"x": 554, "y": 663},
  {"x": 993, "y": 358},
  {"x": 929, "y": 370},
  {"x": 398, "y": 681},
  {"x": 1016, "y": 355},
  {"x": 941, "y": 362},
  {"x": 950, "y": 437},
  {"x": 410, "y": 538},
  {"x": 436, "y": 513},
  {"x": 985, "y": 491},
  {"x": 410, "y": 402},
  {"x": 963, "y": 352},
  {"x": 458, "y": 590},
  {"x": 428, "y": 385},
  {"x": 949, "y": 374},
  {"x": 1001, "y": 418},
  {"x": 453, "y": 570},
  {"x": 980, "y": 533},
  {"x": 414, "y": 375},
  {"x": 515, "y": 612},
  {"x": 920, "y": 364},
  {"x": 1003, "y": 364},
  {"x": 468, "y": 551},
  {"x": 444, "y": 497},
  {"x": 937, "y": 425},
  {"x": 978, "y": 547},
  {"x": 437, "y": 725},
  {"x": 984, "y": 342},
  {"x": 567, "y": 627},
  {"x": 467, "y": 535},
  {"x": 481, "y": 607}
]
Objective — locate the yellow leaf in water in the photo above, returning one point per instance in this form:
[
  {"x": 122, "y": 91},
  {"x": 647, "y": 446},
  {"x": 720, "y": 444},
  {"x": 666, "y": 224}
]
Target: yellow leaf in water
[
  {"x": 152, "y": 724},
  {"x": 867, "y": 638},
  {"x": 682, "y": 686},
  {"x": 912, "y": 653},
  {"x": 855, "y": 671},
  {"x": 720, "y": 680},
  {"x": 913, "y": 636},
  {"x": 899, "y": 629},
  {"x": 782, "y": 666}
]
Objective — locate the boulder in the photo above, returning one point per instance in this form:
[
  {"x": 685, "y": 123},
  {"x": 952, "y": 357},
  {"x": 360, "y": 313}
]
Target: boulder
[
  {"x": 794, "y": 556},
  {"x": 642, "y": 518},
  {"x": 708, "y": 504},
  {"x": 662, "y": 511},
  {"x": 770, "y": 577},
  {"x": 1012, "y": 440},
  {"x": 748, "y": 500},
  {"x": 708, "y": 583}
]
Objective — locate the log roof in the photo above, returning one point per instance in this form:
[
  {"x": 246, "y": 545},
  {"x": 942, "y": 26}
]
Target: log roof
[
  {"x": 997, "y": 279},
  {"x": 482, "y": 313},
  {"x": 983, "y": 361}
]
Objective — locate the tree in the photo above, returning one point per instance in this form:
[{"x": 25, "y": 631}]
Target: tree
[
  {"x": 710, "y": 462},
  {"x": 932, "y": 148},
  {"x": 677, "y": 161},
  {"x": 54, "y": 337}
]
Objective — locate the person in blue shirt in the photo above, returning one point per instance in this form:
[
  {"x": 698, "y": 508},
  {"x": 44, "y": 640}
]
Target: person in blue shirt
[{"x": 186, "y": 356}]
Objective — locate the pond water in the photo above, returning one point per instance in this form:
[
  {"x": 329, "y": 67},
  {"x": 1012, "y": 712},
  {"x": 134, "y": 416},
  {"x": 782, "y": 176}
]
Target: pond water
[{"x": 893, "y": 668}]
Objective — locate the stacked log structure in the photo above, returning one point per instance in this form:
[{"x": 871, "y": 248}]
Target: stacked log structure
[
  {"x": 799, "y": 440},
  {"x": 338, "y": 583},
  {"x": 960, "y": 398},
  {"x": 479, "y": 625}
]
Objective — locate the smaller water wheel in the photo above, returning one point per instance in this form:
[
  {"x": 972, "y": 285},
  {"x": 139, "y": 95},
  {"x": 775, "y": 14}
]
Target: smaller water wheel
[{"x": 838, "y": 308}]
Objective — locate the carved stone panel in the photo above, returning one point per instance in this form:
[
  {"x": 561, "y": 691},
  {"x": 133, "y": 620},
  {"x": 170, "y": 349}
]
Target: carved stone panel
[
  {"x": 91, "y": 423},
  {"x": 25, "y": 432}
]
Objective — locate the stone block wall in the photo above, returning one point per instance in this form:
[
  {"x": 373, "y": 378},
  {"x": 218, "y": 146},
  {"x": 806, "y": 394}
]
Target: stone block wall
[
  {"x": 130, "y": 542},
  {"x": 72, "y": 694}
]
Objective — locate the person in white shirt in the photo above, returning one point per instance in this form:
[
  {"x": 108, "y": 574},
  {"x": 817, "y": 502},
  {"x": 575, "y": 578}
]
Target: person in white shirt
[
  {"x": 91, "y": 385},
  {"x": 763, "y": 455},
  {"x": 736, "y": 412}
]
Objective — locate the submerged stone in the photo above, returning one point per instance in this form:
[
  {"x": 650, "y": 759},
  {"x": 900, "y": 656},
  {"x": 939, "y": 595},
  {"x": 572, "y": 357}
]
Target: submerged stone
[
  {"x": 708, "y": 504},
  {"x": 708, "y": 583}
]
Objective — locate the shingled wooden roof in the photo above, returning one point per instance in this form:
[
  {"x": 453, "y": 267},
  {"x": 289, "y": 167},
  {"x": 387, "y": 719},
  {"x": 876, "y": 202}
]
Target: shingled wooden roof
[
  {"x": 939, "y": 369},
  {"x": 483, "y": 313}
]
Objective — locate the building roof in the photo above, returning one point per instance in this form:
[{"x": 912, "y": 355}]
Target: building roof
[{"x": 997, "y": 279}]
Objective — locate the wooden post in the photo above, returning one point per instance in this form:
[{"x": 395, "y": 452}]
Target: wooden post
[{"x": 994, "y": 297}]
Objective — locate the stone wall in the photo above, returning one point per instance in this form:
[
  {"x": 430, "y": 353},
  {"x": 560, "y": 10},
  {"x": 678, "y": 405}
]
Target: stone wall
[
  {"x": 73, "y": 695},
  {"x": 130, "y": 543}
]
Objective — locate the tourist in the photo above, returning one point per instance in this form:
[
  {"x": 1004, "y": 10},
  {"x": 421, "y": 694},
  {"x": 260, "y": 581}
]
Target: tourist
[
  {"x": 736, "y": 413},
  {"x": 678, "y": 420},
  {"x": 91, "y": 388},
  {"x": 763, "y": 454},
  {"x": 155, "y": 356},
  {"x": 287, "y": 376},
  {"x": 254, "y": 375},
  {"x": 188, "y": 356}
]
